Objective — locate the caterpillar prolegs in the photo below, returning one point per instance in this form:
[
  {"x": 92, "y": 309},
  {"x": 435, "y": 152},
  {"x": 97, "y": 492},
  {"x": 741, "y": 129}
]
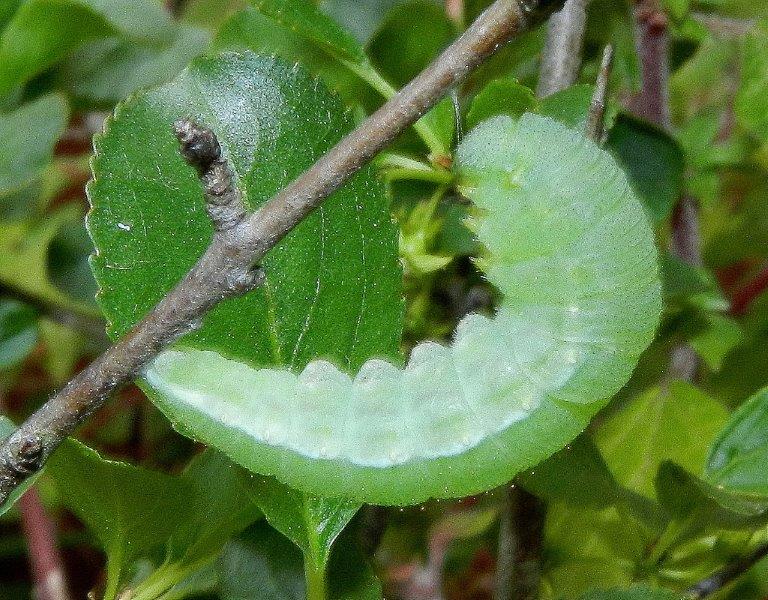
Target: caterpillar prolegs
[{"x": 566, "y": 243}]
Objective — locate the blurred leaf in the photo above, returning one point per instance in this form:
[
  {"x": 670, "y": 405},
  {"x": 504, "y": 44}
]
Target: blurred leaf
[
  {"x": 409, "y": 39},
  {"x": 743, "y": 233},
  {"x": 263, "y": 564},
  {"x": 24, "y": 257},
  {"x": 632, "y": 593},
  {"x": 500, "y": 97},
  {"x": 686, "y": 285},
  {"x": 130, "y": 510},
  {"x": 653, "y": 161},
  {"x": 109, "y": 69},
  {"x": 714, "y": 338},
  {"x": 575, "y": 475},
  {"x": 29, "y": 134},
  {"x": 700, "y": 504},
  {"x": 752, "y": 99},
  {"x": 7, "y": 428},
  {"x": 739, "y": 454},
  {"x": 219, "y": 508},
  {"x": 311, "y": 522},
  {"x": 18, "y": 332},
  {"x": 360, "y": 17},
  {"x": 67, "y": 262},
  {"x": 63, "y": 348},
  {"x": 674, "y": 421},
  {"x": 611, "y": 20},
  {"x": 677, "y": 8},
  {"x": 210, "y": 13},
  {"x": 222, "y": 507},
  {"x": 42, "y": 32}
]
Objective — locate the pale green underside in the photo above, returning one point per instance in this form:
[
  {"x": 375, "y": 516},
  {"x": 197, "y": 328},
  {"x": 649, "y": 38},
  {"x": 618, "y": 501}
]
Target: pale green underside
[{"x": 569, "y": 247}]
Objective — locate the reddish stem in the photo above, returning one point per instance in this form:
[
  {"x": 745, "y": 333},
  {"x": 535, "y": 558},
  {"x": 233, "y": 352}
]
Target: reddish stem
[
  {"x": 44, "y": 557},
  {"x": 743, "y": 299}
]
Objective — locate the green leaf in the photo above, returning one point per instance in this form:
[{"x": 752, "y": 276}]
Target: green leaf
[
  {"x": 29, "y": 134},
  {"x": 751, "y": 104},
  {"x": 130, "y": 510},
  {"x": 714, "y": 337},
  {"x": 567, "y": 336},
  {"x": 689, "y": 286},
  {"x": 671, "y": 422},
  {"x": 311, "y": 522},
  {"x": 332, "y": 286},
  {"x": 652, "y": 159},
  {"x": 569, "y": 106},
  {"x": 411, "y": 36},
  {"x": 688, "y": 498},
  {"x": 500, "y": 97},
  {"x": 263, "y": 564},
  {"x": 7, "y": 428},
  {"x": 107, "y": 70},
  {"x": 633, "y": 593},
  {"x": 575, "y": 475},
  {"x": 360, "y": 17},
  {"x": 18, "y": 332},
  {"x": 24, "y": 258},
  {"x": 306, "y": 20},
  {"x": 42, "y": 32},
  {"x": 739, "y": 454},
  {"x": 219, "y": 508}
]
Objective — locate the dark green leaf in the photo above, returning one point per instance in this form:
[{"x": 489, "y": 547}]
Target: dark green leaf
[
  {"x": 311, "y": 522},
  {"x": 652, "y": 159},
  {"x": 29, "y": 134},
  {"x": 18, "y": 332},
  {"x": 633, "y": 593},
  {"x": 577, "y": 474},
  {"x": 674, "y": 422},
  {"x": 263, "y": 564},
  {"x": 42, "y": 32},
  {"x": 130, "y": 510},
  {"x": 688, "y": 498},
  {"x": 411, "y": 37},
  {"x": 149, "y": 223},
  {"x": 690, "y": 286},
  {"x": 714, "y": 337},
  {"x": 739, "y": 454},
  {"x": 500, "y": 97}
]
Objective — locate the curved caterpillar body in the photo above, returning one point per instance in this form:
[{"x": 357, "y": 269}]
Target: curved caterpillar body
[{"x": 569, "y": 247}]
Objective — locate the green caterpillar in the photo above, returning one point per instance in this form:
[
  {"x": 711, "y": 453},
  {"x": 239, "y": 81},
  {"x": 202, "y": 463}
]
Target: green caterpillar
[{"x": 567, "y": 244}]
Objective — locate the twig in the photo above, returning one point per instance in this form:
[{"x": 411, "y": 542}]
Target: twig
[
  {"x": 561, "y": 58},
  {"x": 518, "y": 568},
  {"x": 226, "y": 268},
  {"x": 44, "y": 557},
  {"x": 652, "y": 103},
  {"x": 595, "y": 126},
  {"x": 717, "y": 581}
]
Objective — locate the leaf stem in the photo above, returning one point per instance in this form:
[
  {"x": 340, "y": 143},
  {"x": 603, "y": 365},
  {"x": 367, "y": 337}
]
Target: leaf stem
[{"x": 315, "y": 579}]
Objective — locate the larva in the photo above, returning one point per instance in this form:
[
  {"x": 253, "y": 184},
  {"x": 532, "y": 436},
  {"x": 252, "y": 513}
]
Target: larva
[{"x": 567, "y": 244}]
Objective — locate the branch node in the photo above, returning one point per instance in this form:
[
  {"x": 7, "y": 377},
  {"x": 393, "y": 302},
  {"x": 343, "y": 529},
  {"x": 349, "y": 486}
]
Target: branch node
[
  {"x": 201, "y": 149},
  {"x": 242, "y": 281},
  {"x": 26, "y": 455}
]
